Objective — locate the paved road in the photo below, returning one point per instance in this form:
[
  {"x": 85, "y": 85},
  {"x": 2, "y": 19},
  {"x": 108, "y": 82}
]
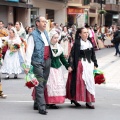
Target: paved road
[{"x": 18, "y": 104}]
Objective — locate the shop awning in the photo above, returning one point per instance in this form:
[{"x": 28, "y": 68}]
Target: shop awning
[{"x": 16, "y": 4}]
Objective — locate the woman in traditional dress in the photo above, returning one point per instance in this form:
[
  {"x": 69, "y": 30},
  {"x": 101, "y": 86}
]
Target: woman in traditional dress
[
  {"x": 22, "y": 34},
  {"x": 80, "y": 84},
  {"x": 107, "y": 42},
  {"x": 92, "y": 36},
  {"x": 11, "y": 63},
  {"x": 65, "y": 42},
  {"x": 30, "y": 29},
  {"x": 100, "y": 41},
  {"x": 20, "y": 30},
  {"x": 55, "y": 89}
]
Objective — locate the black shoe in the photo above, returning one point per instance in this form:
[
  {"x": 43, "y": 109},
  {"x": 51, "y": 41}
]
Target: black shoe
[
  {"x": 53, "y": 106},
  {"x": 15, "y": 76},
  {"x": 76, "y": 103},
  {"x": 43, "y": 112},
  {"x": 90, "y": 106},
  {"x": 35, "y": 106}
]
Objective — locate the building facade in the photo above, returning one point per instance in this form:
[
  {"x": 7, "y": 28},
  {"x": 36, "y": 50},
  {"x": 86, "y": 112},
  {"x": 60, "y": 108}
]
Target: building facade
[
  {"x": 67, "y": 12},
  {"x": 15, "y": 10},
  {"x": 113, "y": 12}
]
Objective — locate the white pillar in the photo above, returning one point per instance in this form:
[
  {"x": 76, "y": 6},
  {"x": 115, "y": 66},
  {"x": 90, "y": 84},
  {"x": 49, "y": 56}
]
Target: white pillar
[{"x": 28, "y": 17}]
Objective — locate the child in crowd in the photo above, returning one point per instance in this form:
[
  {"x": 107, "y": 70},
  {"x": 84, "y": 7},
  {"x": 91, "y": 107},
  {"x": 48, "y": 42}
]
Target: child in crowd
[{"x": 55, "y": 90}]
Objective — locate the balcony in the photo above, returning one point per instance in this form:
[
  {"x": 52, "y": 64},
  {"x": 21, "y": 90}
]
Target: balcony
[
  {"x": 16, "y": 3},
  {"x": 94, "y": 5},
  {"x": 112, "y": 7}
]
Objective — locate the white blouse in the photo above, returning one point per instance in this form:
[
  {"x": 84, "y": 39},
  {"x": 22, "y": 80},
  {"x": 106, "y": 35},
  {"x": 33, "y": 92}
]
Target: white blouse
[{"x": 85, "y": 44}]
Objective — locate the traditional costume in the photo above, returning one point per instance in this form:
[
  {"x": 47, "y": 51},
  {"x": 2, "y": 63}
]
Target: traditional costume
[
  {"x": 80, "y": 84},
  {"x": 11, "y": 63},
  {"x": 55, "y": 89},
  {"x": 65, "y": 43}
]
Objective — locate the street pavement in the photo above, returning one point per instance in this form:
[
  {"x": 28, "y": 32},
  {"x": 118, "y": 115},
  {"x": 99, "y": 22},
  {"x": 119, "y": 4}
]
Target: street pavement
[{"x": 19, "y": 104}]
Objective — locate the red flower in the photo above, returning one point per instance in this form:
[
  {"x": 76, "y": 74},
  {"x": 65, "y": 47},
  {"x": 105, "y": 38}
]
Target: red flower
[
  {"x": 99, "y": 78},
  {"x": 29, "y": 84},
  {"x": 32, "y": 83},
  {"x": 16, "y": 46}
]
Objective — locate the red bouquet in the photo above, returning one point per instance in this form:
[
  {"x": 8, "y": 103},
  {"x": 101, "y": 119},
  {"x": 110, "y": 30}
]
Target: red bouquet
[
  {"x": 98, "y": 76},
  {"x": 14, "y": 48},
  {"x": 31, "y": 80},
  {"x": 32, "y": 83}
]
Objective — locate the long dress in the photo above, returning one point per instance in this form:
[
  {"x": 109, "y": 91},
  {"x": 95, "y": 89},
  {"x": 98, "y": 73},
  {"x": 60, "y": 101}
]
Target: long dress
[
  {"x": 55, "y": 89},
  {"x": 80, "y": 84},
  {"x": 11, "y": 63},
  {"x": 107, "y": 41},
  {"x": 65, "y": 43},
  {"x": 100, "y": 42}
]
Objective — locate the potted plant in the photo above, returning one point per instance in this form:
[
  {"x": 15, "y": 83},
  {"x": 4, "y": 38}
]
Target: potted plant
[{"x": 102, "y": 11}]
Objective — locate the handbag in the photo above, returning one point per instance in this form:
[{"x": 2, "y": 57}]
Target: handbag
[{"x": 98, "y": 76}]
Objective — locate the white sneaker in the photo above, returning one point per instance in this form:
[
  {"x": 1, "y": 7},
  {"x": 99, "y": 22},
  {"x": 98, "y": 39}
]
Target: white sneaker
[
  {"x": 3, "y": 96},
  {"x": 7, "y": 77}
]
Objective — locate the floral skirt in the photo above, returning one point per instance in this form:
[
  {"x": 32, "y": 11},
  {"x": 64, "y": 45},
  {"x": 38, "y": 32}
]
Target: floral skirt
[{"x": 82, "y": 94}]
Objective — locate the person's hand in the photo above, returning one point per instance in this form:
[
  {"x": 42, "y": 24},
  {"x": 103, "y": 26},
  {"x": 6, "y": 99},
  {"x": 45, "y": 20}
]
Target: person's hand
[
  {"x": 70, "y": 69},
  {"x": 95, "y": 68},
  {"x": 26, "y": 70}
]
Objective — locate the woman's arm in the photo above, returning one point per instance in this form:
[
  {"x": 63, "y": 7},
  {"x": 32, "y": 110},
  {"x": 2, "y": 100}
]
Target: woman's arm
[
  {"x": 93, "y": 57},
  {"x": 63, "y": 60}
]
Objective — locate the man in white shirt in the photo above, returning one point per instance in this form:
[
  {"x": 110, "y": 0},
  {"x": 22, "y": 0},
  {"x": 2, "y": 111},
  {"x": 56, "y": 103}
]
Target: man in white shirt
[{"x": 38, "y": 55}]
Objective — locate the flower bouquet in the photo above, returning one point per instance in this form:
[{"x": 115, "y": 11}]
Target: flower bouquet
[
  {"x": 31, "y": 80},
  {"x": 98, "y": 76},
  {"x": 13, "y": 48}
]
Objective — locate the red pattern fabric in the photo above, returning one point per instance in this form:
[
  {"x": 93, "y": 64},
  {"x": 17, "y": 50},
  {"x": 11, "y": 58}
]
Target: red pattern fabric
[
  {"x": 53, "y": 99},
  {"x": 50, "y": 100},
  {"x": 82, "y": 94},
  {"x": 46, "y": 52}
]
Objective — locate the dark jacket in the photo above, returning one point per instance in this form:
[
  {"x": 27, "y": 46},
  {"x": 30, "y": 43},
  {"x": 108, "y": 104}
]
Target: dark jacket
[{"x": 116, "y": 37}]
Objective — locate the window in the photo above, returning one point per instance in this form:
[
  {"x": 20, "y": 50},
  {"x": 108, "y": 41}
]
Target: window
[
  {"x": 99, "y": 1},
  {"x": 117, "y": 2},
  {"x": 50, "y": 14},
  {"x": 34, "y": 14},
  {"x": 86, "y": 2}
]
